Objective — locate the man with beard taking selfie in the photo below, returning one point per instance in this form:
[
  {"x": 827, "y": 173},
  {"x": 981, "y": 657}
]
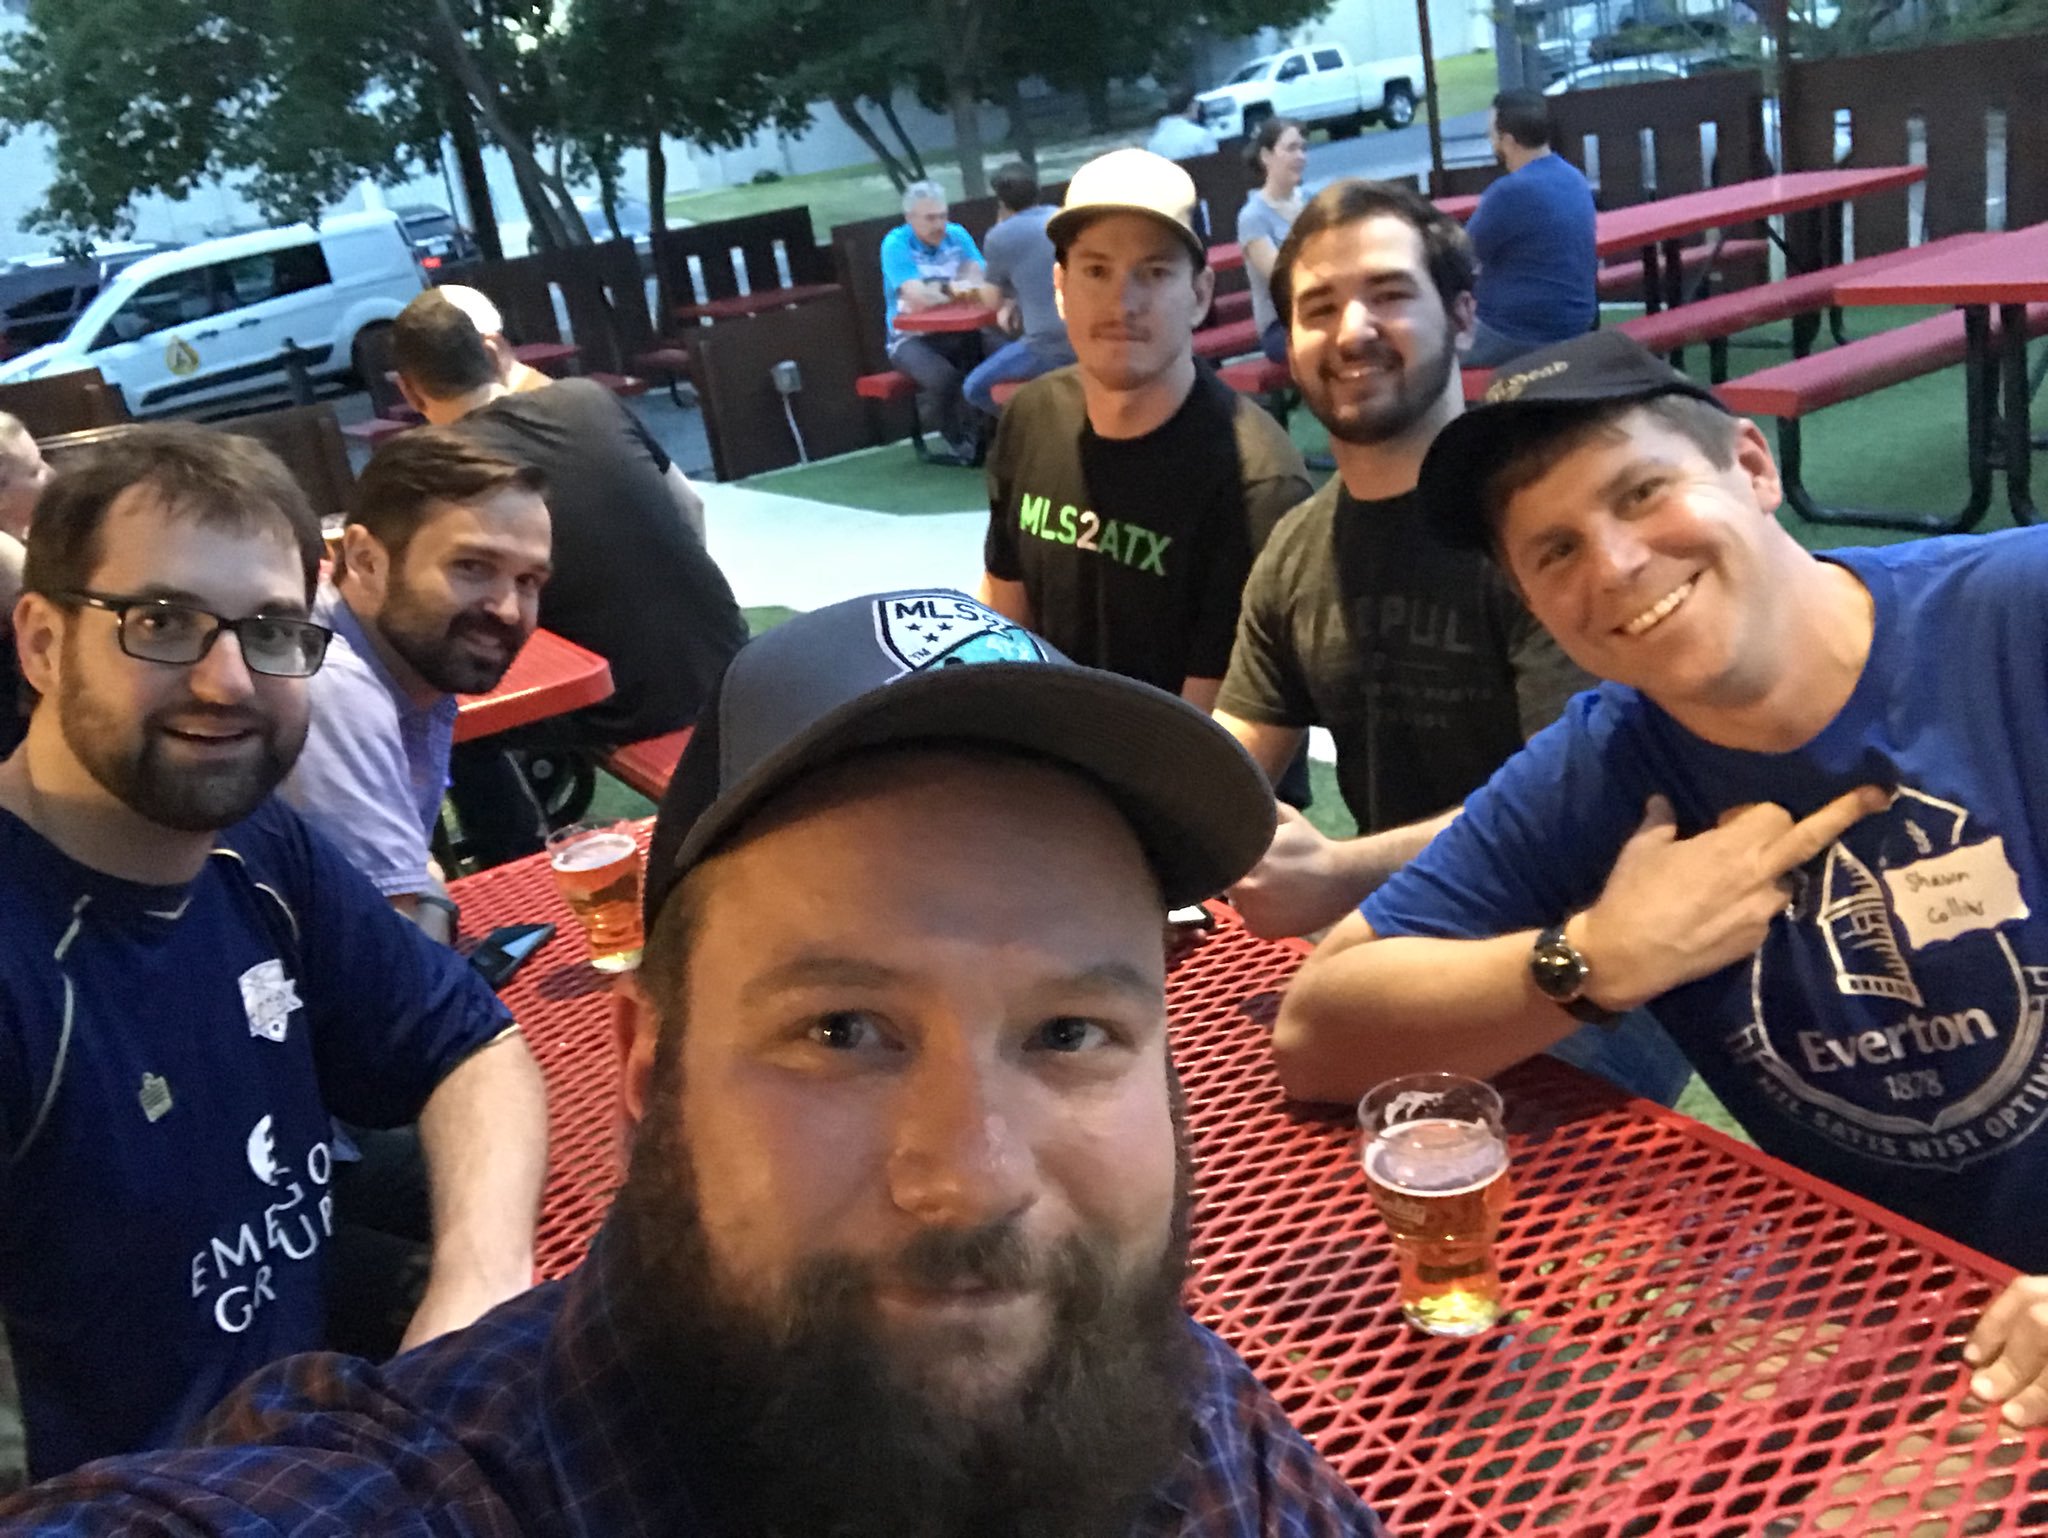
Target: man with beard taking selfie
[
  {"x": 900, "y": 1248},
  {"x": 439, "y": 586},
  {"x": 1360, "y": 617},
  {"x": 193, "y": 983}
]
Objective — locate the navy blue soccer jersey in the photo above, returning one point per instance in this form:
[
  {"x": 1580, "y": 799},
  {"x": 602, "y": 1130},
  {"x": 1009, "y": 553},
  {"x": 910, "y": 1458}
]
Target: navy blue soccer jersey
[{"x": 170, "y": 1061}]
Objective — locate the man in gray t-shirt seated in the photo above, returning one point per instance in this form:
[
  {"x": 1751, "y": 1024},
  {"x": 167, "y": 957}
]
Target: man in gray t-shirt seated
[{"x": 1018, "y": 281}]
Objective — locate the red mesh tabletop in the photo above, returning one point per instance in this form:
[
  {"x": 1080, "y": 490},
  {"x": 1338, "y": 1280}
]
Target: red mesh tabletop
[
  {"x": 549, "y": 677},
  {"x": 1699, "y": 1339},
  {"x": 564, "y": 1008},
  {"x": 964, "y": 315}
]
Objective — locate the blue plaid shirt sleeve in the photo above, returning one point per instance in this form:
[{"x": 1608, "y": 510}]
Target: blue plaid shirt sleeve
[
  {"x": 525, "y": 1424},
  {"x": 1249, "y": 1473}
]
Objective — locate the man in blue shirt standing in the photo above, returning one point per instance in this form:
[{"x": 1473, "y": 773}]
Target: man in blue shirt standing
[
  {"x": 1019, "y": 283},
  {"x": 1804, "y": 819},
  {"x": 928, "y": 261},
  {"x": 439, "y": 588},
  {"x": 193, "y": 983},
  {"x": 901, "y": 1247},
  {"x": 1533, "y": 235}
]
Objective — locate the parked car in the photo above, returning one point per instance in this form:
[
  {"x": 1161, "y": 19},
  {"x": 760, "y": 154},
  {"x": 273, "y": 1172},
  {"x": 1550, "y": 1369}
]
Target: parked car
[
  {"x": 440, "y": 241},
  {"x": 1671, "y": 67},
  {"x": 1319, "y": 86},
  {"x": 40, "y": 296},
  {"x": 214, "y": 319},
  {"x": 636, "y": 223}
]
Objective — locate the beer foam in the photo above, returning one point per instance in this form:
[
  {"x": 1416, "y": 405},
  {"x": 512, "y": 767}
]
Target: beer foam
[
  {"x": 593, "y": 853},
  {"x": 1435, "y": 1157}
]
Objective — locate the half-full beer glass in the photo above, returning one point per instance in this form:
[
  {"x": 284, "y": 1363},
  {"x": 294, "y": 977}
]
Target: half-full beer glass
[
  {"x": 1437, "y": 1163},
  {"x": 597, "y": 870}
]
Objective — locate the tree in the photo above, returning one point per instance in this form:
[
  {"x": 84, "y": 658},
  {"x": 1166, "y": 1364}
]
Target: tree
[{"x": 300, "y": 98}]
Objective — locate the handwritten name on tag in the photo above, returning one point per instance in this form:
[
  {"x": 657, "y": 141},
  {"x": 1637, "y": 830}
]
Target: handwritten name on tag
[{"x": 1957, "y": 893}]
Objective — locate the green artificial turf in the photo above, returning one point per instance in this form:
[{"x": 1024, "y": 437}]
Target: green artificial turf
[{"x": 890, "y": 479}]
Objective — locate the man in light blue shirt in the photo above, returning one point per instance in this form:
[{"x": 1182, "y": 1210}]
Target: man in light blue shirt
[
  {"x": 928, "y": 261},
  {"x": 438, "y": 589},
  {"x": 1019, "y": 284}
]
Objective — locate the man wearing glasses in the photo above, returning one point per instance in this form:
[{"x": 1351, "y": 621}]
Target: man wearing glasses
[{"x": 192, "y": 983}]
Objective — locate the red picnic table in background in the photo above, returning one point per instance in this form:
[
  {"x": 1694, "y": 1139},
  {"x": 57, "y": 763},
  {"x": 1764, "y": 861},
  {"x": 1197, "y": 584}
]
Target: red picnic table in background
[
  {"x": 1227, "y": 257},
  {"x": 1701, "y": 1341},
  {"x": 549, "y": 677},
  {"x": 740, "y": 306},
  {"x": 2008, "y": 272},
  {"x": 961, "y": 315}
]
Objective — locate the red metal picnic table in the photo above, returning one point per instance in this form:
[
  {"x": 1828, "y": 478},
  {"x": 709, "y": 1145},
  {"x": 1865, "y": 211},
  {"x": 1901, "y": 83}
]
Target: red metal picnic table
[
  {"x": 961, "y": 315},
  {"x": 554, "y": 358},
  {"x": 2007, "y": 272},
  {"x": 1700, "y": 1340},
  {"x": 1226, "y": 257},
  {"x": 1660, "y": 228},
  {"x": 550, "y": 677}
]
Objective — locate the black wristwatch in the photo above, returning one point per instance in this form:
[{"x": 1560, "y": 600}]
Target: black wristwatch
[{"x": 1561, "y": 972}]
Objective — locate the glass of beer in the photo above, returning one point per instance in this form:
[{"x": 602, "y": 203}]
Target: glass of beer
[
  {"x": 598, "y": 872},
  {"x": 1437, "y": 1163},
  {"x": 332, "y": 527}
]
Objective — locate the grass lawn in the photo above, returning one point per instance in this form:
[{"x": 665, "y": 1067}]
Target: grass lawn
[{"x": 1464, "y": 83}]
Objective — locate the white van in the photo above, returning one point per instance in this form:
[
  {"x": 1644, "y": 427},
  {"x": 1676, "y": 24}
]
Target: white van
[{"x": 214, "y": 319}]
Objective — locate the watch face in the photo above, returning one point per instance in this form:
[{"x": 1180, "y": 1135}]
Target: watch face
[{"x": 1559, "y": 970}]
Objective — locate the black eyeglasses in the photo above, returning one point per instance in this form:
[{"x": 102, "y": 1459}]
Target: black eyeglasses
[{"x": 179, "y": 634}]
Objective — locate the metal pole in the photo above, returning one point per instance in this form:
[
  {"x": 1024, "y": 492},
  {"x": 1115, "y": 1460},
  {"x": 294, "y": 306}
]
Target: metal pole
[
  {"x": 1436, "y": 131},
  {"x": 1778, "y": 14}
]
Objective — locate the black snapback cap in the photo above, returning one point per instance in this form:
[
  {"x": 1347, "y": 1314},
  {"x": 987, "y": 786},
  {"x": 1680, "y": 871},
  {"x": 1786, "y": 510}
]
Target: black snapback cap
[
  {"x": 934, "y": 666},
  {"x": 1538, "y": 394}
]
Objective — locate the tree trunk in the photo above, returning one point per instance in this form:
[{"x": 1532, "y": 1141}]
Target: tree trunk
[
  {"x": 555, "y": 224},
  {"x": 1095, "y": 95},
  {"x": 849, "y": 112},
  {"x": 912, "y": 156},
  {"x": 1022, "y": 140},
  {"x": 966, "y": 107},
  {"x": 476, "y": 184},
  {"x": 657, "y": 223}
]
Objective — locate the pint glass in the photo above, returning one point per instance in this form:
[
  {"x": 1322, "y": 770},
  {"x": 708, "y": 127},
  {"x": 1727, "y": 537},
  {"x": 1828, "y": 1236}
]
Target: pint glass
[
  {"x": 1437, "y": 1163},
  {"x": 597, "y": 870}
]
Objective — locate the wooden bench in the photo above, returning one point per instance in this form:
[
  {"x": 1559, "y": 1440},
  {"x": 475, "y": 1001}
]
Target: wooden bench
[
  {"x": 1236, "y": 305},
  {"x": 372, "y": 431},
  {"x": 888, "y": 387},
  {"x": 1232, "y": 339},
  {"x": 1791, "y": 391},
  {"x": 1714, "y": 319},
  {"x": 1622, "y": 281},
  {"x": 648, "y": 766},
  {"x": 740, "y": 306}
]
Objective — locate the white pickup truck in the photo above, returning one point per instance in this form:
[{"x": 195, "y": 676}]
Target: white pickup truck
[{"x": 1317, "y": 85}]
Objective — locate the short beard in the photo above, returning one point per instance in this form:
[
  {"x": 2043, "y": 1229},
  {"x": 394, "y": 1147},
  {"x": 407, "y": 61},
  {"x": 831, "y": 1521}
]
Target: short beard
[
  {"x": 183, "y": 800},
  {"x": 796, "y": 1423},
  {"x": 429, "y": 648},
  {"x": 1417, "y": 392}
]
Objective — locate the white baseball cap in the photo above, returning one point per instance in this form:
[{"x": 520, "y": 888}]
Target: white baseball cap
[{"x": 1130, "y": 181}]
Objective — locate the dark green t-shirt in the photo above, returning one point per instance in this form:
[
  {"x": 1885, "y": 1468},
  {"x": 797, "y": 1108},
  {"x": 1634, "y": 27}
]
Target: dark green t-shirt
[
  {"x": 1418, "y": 658},
  {"x": 1134, "y": 551}
]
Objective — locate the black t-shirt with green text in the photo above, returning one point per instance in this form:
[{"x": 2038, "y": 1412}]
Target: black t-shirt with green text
[
  {"x": 1134, "y": 551},
  {"x": 1418, "y": 657}
]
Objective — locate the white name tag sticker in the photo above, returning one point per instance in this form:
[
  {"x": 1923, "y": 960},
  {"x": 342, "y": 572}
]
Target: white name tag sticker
[{"x": 1957, "y": 893}]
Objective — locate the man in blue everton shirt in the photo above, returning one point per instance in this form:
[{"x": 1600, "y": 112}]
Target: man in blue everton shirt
[
  {"x": 1804, "y": 818},
  {"x": 901, "y": 1247},
  {"x": 192, "y": 983}
]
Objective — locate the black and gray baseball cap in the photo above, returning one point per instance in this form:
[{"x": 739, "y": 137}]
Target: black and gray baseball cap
[
  {"x": 1537, "y": 395},
  {"x": 933, "y": 666}
]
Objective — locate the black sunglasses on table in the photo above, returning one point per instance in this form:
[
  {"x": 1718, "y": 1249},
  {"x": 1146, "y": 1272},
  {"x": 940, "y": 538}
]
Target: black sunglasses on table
[{"x": 179, "y": 634}]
